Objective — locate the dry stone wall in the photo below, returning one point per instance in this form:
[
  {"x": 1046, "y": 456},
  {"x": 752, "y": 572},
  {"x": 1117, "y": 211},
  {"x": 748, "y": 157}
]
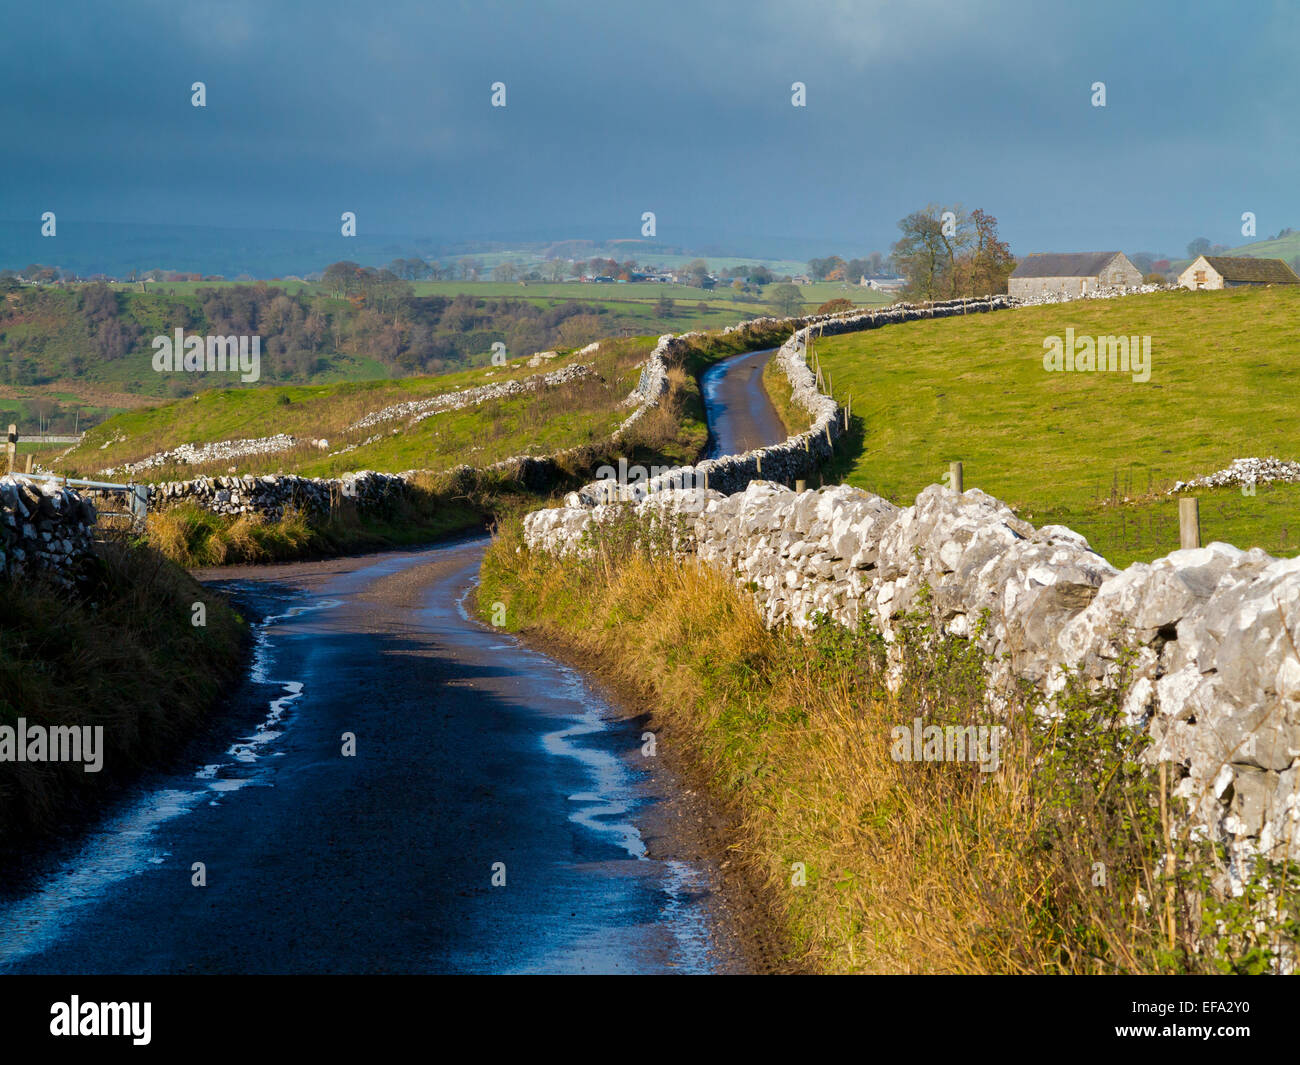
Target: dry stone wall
[
  {"x": 1212, "y": 670},
  {"x": 196, "y": 454},
  {"x": 416, "y": 410},
  {"x": 272, "y": 494},
  {"x": 1246, "y": 473},
  {"x": 44, "y": 528}
]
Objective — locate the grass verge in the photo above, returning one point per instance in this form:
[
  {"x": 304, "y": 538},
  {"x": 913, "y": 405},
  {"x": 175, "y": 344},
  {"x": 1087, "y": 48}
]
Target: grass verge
[
  {"x": 122, "y": 653},
  {"x": 779, "y": 390}
]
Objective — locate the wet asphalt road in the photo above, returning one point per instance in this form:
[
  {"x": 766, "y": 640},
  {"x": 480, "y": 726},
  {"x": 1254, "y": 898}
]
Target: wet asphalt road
[
  {"x": 474, "y": 756},
  {"x": 471, "y": 750},
  {"x": 741, "y": 417}
]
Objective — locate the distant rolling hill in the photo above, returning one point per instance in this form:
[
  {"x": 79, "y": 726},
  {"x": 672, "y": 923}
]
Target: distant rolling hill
[
  {"x": 117, "y": 249},
  {"x": 1287, "y": 247}
]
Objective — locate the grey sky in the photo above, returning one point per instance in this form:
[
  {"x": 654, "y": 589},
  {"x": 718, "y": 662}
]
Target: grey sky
[{"x": 679, "y": 108}]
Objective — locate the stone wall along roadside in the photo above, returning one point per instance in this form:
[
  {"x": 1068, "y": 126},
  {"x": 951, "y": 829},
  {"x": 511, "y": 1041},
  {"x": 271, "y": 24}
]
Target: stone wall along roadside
[
  {"x": 1214, "y": 675},
  {"x": 1204, "y": 639},
  {"x": 271, "y": 495},
  {"x": 44, "y": 528}
]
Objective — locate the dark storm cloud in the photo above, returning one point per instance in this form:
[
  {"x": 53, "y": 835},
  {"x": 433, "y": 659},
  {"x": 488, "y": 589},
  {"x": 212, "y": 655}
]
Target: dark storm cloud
[{"x": 679, "y": 108}]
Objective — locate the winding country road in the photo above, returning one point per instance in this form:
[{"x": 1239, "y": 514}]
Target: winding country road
[{"x": 476, "y": 759}]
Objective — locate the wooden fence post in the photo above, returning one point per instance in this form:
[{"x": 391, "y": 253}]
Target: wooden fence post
[
  {"x": 11, "y": 445},
  {"x": 1189, "y": 522},
  {"x": 800, "y": 485},
  {"x": 30, "y": 455},
  {"x": 955, "y": 476}
]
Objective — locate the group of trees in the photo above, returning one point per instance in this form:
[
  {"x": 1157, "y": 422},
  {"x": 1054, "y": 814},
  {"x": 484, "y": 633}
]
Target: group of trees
[
  {"x": 37, "y": 272},
  {"x": 361, "y": 312},
  {"x": 407, "y": 333},
  {"x": 1149, "y": 262},
  {"x": 111, "y": 336},
  {"x": 1202, "y": 246},
  {"x": 374, "y": 288},
  {"x": 834, "y": 268},
  {"x": 945, "y": 253}
]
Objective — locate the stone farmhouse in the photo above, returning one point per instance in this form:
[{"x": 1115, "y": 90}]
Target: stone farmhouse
[
  {"x": 1218, "y": 271},
  {"x": 1071, "y": 273}
]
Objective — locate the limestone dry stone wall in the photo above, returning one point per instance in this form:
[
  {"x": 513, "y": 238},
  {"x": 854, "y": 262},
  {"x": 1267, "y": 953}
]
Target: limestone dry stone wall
[
  {"x": 197, "y": 454},
  {"x": 1215, "y": 677},
  {"x": 271, "y": 494},
  {"x": 44, "y": 528},
  {"x": 416, "y": 410}
]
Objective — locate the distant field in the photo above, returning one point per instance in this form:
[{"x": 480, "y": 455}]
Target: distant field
[
  {"x": 615, "y": 293},
  {"x": 55, "y": 343},
  {"x": 1094, "y": 451}
]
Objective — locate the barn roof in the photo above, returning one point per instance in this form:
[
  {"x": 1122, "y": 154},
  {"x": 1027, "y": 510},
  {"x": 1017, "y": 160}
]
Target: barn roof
[
  {"x": 1259, "y": 271},
  {"x": 1064, "y": 264}
]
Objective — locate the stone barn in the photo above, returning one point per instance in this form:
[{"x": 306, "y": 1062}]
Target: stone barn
[
  {"x": 1071, "y": 273},
  {"x": 1218, "y": 271}
]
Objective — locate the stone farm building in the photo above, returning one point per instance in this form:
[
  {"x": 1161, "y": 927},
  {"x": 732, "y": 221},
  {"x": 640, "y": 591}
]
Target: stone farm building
[
  {"x": 1071, "y": 273},
  {"x": 1218, "y": 271}
]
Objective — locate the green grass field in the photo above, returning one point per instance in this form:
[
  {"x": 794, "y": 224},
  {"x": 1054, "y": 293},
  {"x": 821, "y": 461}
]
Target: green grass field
[
  {"x": 535, "y": 423},
  {"x": 1094, "y": 451},
  {"x": 616, "y": 295},
  {"x": 579, "y": 415}
]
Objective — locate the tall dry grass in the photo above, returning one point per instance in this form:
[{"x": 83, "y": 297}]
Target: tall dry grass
[{"x": 193, "y": 537}]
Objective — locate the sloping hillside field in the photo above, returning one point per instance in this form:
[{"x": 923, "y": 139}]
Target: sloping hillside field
[
  {"x": 1096, "y": 450},
  {"x": 378, "y": 425}
]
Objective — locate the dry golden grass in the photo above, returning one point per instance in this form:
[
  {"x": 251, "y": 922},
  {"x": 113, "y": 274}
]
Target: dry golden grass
[{"x": 191, "y": 536}]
